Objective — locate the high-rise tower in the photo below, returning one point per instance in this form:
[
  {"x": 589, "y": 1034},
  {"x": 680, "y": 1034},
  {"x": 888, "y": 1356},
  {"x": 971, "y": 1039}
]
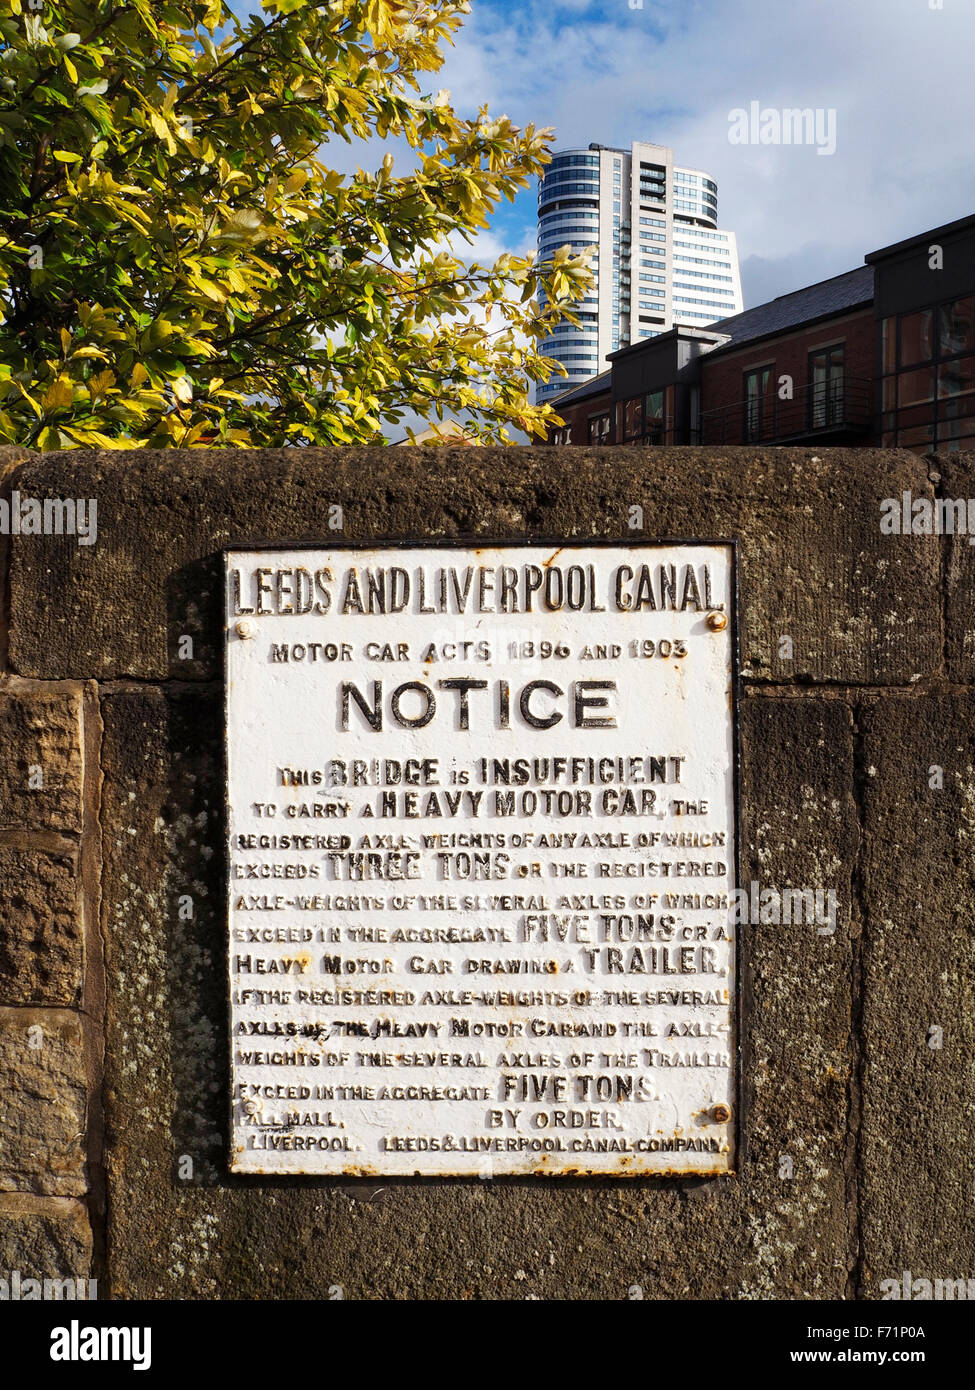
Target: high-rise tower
[{"x": 659, "y": 256}]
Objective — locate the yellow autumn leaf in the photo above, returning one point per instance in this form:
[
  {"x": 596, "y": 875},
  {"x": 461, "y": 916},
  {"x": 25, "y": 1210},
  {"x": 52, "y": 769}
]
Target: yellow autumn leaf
[
  {"x": 99, "y": 384},
  {"x": 59, "y": 395},
  {"x": 179, "y": 236},
  {"x": 89, "y": 352},
  {"x": 211, "y": 290},
  {"x": 89, "y": 438},
  {"x": 163, "y": 131}
]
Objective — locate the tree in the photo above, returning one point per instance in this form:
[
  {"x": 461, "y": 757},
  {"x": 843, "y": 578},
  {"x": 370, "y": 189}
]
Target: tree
[{"x": 180, "y": 266}]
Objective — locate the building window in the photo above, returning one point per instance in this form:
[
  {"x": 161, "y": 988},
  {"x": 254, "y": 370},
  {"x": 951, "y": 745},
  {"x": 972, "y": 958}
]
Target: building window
[
  {"x": 928, "y": 386},
  {"x": 888, "y": 348},
  {"x": 633, "y": 418},
  {"x": 917, "y": 437},
  {"x": 644, "y": 418},
  {"x": 917, "y": 338},
  {"x": 826, "y": 378},
  {"x": 956, "y": 378},
  {"x": 914, "y": 388},
  {"x": 956, "y": 328},
  {"x": 599, "y": 429},
  {"x": 653, "y": 407},
  {"x": 958, "y": 433},
  {"x": 759, "y": 404}
]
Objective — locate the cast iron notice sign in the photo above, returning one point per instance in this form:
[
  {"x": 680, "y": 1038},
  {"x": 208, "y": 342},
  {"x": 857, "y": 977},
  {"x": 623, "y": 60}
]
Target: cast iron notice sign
[{"x": 481, "y": 817}]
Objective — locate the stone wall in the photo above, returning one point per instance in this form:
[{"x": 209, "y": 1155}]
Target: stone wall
[{"x": 112, "y": 1008}]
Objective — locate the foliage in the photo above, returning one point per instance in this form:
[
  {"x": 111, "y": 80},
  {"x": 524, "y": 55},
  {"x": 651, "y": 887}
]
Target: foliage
[{"x": 180, "y": 265}]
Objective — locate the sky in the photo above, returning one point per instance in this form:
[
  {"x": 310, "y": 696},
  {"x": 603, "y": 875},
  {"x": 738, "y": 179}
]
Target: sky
[
  {"x": 896, "y": 73},
  {"x": 892, "y": 78}
]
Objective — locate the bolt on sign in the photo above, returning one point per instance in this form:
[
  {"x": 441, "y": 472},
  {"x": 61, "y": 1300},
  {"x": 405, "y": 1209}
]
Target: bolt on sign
[{"x": 482, "y": 845}]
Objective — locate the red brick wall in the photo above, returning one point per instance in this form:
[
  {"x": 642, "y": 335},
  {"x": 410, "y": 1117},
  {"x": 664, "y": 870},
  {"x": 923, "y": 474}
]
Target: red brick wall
[
  {"x": 577, "y": 416},
  {"x": 722, "y": 377}
]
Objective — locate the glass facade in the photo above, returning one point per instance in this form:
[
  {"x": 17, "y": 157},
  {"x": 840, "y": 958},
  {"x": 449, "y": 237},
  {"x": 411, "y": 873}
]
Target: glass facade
[
  {"x": 647, "y": 418},
  {"x": 928, "y": 377}
]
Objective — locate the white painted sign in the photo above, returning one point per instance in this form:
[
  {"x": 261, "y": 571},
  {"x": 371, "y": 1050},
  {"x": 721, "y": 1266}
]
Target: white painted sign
[{"x": 482, "y": 850}]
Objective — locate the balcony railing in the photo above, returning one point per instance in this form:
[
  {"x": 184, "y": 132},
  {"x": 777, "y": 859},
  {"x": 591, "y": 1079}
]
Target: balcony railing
[{"x": 837, "y": 408}]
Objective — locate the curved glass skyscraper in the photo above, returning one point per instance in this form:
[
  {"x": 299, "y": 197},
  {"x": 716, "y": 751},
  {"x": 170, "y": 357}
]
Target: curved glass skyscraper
[{"x": 659, "y": 257}]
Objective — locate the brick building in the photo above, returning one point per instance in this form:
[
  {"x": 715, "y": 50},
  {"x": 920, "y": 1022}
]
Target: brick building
[{"x": 883, "y": 354}]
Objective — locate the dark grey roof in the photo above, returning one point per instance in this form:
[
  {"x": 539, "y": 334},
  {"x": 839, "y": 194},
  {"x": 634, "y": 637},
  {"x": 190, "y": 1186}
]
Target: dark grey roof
[
  {"x": 593, "y": 387},
  {"x": 846, "y": 291},
  {"x": 843, "y": 292}
]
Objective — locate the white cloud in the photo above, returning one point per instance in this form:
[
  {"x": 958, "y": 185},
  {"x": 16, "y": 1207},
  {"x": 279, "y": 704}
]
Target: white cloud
[{"x": 897, "y": 73}]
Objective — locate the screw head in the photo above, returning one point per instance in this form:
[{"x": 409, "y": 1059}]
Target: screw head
[
  {"x": 244, "y": 629},
  {"x": 717, "y": 621},
  {"x": 721, "y": 1113}
]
